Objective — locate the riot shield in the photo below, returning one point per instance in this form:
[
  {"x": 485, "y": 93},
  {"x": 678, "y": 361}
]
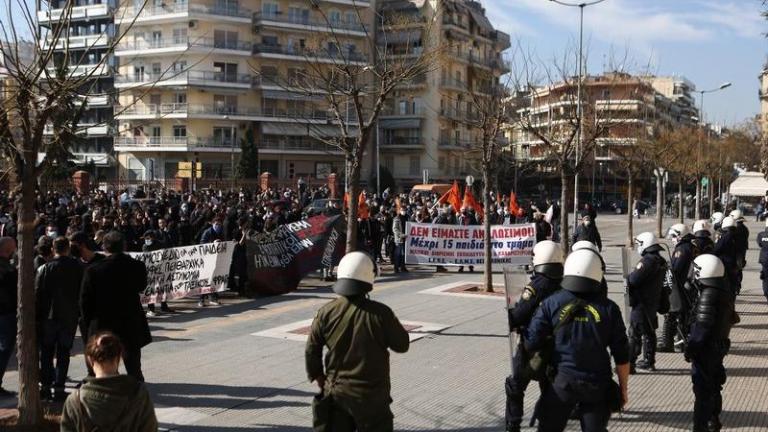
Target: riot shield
[
  {"x": 626, "y": 268},
  {"x": 515, "y": 280}
]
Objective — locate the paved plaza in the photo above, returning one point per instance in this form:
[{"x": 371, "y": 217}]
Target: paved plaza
[{"x": 240, "y": 367}]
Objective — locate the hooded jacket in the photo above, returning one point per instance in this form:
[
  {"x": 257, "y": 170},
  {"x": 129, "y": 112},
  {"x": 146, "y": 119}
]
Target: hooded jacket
[{"x": 116, "y": 404}]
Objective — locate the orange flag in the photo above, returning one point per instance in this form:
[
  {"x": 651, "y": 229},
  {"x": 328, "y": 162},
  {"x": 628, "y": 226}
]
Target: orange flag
[
  {"x": 470, "y": 201},
  {"x": 514, "y": 208},
  {"x": 452, "y": 197},
  {"x": 362, "y": 207}
]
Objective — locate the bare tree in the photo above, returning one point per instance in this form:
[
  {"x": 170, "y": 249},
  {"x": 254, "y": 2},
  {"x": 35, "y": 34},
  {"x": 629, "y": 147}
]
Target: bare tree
[
  {"x": 661, "y": 155},
  {"x": 46, "y": 89}
]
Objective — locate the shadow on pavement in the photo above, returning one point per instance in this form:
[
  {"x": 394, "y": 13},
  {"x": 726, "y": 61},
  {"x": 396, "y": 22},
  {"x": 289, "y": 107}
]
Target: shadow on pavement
[
  {"x": 250, "y": 428},
  {"x": 191, "y": 395},
  {"x": 684, "y": 419}
]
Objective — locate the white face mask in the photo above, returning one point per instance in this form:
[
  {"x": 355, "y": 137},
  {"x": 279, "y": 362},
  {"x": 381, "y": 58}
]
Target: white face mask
[
  {"x": 148, "y": 242},
  {"x": 587, "y": 223}
]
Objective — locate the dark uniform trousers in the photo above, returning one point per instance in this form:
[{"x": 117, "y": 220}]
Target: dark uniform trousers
[
  {"x": 373, "y": 418},
  {"x": 642, "y": 336},
  {"x": 708, "y": 377},
  {"x": 559, "y": 400},
  {"x": 764, "y": 278},
  {"x": 515, "y": 387}
]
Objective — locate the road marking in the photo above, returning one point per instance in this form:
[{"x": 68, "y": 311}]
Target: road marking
[{"x": 299, "y": 331}]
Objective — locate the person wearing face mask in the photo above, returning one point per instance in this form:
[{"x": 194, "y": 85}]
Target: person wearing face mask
[
  {"x": 588, "y": 231},
  {"x": 466, "y": 218},
  {"x": 152, "y": 244},
  {"x": 213, "y": 234},
  {"x": 400, "y": 234}
]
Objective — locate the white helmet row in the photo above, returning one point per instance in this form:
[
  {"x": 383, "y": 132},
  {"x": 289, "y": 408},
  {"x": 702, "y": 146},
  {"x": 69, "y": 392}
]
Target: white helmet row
[
  {"x": 708, "y": 270},
  {"x": 728, "y": 222},
  {"x": 583, "y": 272},
  {"x": 717, "y": 217},
  {"x": 644, "y": 241},
  {"x": 701, "y": 228},
  {"x": 355, "y": 274},
  {"x": 677, "y": 231},
  {"x": 548, "y": 259},
  {"x": 737, "y": 215}
]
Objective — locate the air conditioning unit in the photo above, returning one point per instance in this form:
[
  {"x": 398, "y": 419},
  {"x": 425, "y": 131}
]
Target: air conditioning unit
[{"x": 193, "y": 24}]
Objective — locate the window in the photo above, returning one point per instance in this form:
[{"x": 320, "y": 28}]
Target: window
[
  {"x": 155, "y": 131},
  {"x": 157, "y": 39},
  {"x": 156, "y": 68},
  {"x": 269, "y": 9},
  {"x": 179, "y": 66},
  {"x": 269, "y": 74},
  {"x": 389, "y": 163},
  {"x": 225, "y": 39},
  {"x": 334, "y": 17},
  {"x": 441, "y": 163},
  {"x": 180, "y": 131},
  {"x": 225, "y": 71},
  {"x": 223, "y": 136},
  {"x": 225, "y": 104},
  {"x": 606, "y": 94},
  {"x": 351, "y": 17},
  {"x": 180, "y": 98},
  {"x": 414, "y": 165},
  {"x": 298, "y": 15},
  {"x": 180, "y": 35}
]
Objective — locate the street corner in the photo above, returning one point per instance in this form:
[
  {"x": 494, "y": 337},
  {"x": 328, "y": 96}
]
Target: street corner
[
  {"x": 299, "y": 331},
  {"x": 467, "y": 289}
]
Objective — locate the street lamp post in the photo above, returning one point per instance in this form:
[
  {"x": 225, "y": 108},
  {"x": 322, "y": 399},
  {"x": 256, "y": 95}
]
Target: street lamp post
[
  {"x": 579, "y": 110},
  {"x": 723, "y": 86}
]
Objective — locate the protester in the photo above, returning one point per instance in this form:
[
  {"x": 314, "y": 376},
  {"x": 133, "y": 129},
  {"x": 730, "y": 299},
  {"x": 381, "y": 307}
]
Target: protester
[
  {"x": 151, "y": 243},
  {"x": 400, "y": 235},
  {"x": 587, "y": 230},
  {"x": 108, "y": 401},
  {"x": 215, "y": 233},
  {"x": 110, "y": 300},
  {"x": 8, "y": 299},
  {"x": 57, "y": 289}
]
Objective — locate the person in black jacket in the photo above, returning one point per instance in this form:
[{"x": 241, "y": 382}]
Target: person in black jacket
[
  {"x": 727, "y": 250},
  {"x": 762, "y": 243},
  {"x": 57, "y": 288},
  {"x": 679, "y": 303},
  {"x": 742, "y": 244},
  {"x": 9, "y": 277},
  {"x": 110, "y": 300},
  {"x": 214, "y": 233},
  {"x": 587, "y": 230}
]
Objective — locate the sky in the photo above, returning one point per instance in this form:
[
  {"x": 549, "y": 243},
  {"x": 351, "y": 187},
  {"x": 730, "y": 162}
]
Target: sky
[{"x": 707, "y": 41}]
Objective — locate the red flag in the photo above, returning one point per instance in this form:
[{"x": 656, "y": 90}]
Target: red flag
[
  {"x": 452, "y": 197},
  {"x": 362, "y": 207},
  {"x": 470, "y": 201},
  {"x": 514, "y": 208}
]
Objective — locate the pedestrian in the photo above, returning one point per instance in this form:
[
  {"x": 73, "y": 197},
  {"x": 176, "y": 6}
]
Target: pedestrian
[
  {"x": 108, "y": 400},
  {"x": 762, "y": 243},
  {"x": 675, "y": 327},
  {"x": 110, "y": 300},
  {"x": 400, "y": 235},
  {"x": 547, "y": 275},
  {"x": 646, "y": 298},
  {"x": 57, "y": 289},
  {"x": 151, "y": 244},
  {"x": 215, "y": 233},
  {"x": 8, "y": 306},
  {"x": 587, "y": 230},
  {"x": 43, "y": 251},
  {"x": 709, "y": 341},
  {"x": 358, "y": 332},
  {"x": 583, "y": 326}
]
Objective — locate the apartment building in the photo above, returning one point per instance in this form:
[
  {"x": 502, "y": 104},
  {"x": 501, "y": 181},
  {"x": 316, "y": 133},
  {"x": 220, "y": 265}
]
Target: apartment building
[
  {"x": 675, "y": 98},
  {"x": 83, "y": 44},
  {"x": 196, "y": 75},
  {"x": 762, "y": 93},
  {"x": 426, "y": 125}
]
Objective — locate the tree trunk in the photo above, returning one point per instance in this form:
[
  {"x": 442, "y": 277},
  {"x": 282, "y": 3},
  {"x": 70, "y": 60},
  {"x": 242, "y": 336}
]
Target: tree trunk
[
  {"x": 30, "y": 410},
  {"x": 697, "y": 210},
  {"x": 488, "y": 259},
  {"x": 659, "y": 203},
  {"x": 353, "y": 191},
  {"x": 564, "y": 239},
  {"x": 681, "y": 202},
  {"x": 630, "y": 212}
]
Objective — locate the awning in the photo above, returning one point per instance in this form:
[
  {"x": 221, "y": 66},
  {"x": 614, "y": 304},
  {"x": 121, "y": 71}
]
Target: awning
[
  {"x": 749, "y": 184},
  {"x": 289, "y": 95},
  {"x": 329, "y": 131},
  {"x": 411, "y": 123},
  {"x": 286, "y": 129}
]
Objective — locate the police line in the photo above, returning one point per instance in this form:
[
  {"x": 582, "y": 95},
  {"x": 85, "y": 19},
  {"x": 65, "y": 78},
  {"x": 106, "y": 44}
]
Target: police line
[
  {"x": 186, "y": 271},
  {"x": 446, "y": 245}
]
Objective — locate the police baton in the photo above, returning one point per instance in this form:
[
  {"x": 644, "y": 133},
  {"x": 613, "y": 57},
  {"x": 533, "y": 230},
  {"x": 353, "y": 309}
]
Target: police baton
[{"x": 515, "y": 279}]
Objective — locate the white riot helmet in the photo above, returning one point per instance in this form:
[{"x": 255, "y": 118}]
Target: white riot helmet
[
  {"x": 766, "y": 222},
  {"x": 717, "y": 218},
  {"x": 728, "y": 222},
  {"x": 355, "y": 274},
  {"x": 708, "y": 270},
  {"x": 646, "y": 242},
  {"x": 582, "y": 272},
  {"x": 585, "y": 244},
  {"x": 677, "y": 232},
  {"x": 737, "y": 215},
  {"x": 701, "y": 228},
  {"x": 548, "y": 259}
]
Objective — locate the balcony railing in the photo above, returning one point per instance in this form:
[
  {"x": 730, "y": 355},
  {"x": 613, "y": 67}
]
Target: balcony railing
[
  {"x": 306, "y": 145},
  {"x": 78, "y": 42},
  {"x": 149, "y": 11},
  {"x": 454, "y": 84},
  {"x": 152, "y": 110},
  {"x": 454, "y": 143},
  {"x": 410, "y": 111},
  {"x": 309, "y": 54},
  {"x": 184, "y": 43},
  {"x": 171, "y": 141},
  {"x": 281, "y": 17},
  {"x": 77, "y": 13},
  {"x": 192, "y": 77},
  {"x": 402, "y": 141}
]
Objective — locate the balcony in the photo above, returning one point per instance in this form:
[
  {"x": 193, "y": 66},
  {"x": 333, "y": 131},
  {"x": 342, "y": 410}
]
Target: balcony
[
  {"x": 182, "y": 11},
  {"x": 402, "y": 143},
  {"x": 358, "y": 3},
  {"x": 458, "y": 114},
  {"x": 187, "y": 78},
  {"x": 151, "y": 111},
  {"x": 85, "y": 70},
  {"x": 475, "y": 59},
  {"x": 293, "y": 146},
  {"x": 89, "y": 130},
  {"x": 288, "y": 22},
  {"x": 170, "y": 143},
  {"x": 303, "y": 54},
  {"x": 176, "y": 45},
  {"x": 454, "y": 84},
  {"x": 221, "y": 112},
  {"x": 410, "y": 111},
  {"x": 78, "y": 42},
  {"x": 455, "y": 144},
  {"x": 78, "y": 13}
]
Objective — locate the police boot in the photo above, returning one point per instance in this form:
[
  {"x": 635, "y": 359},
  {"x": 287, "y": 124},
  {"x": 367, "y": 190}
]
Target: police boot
[
  {"x": 714, "y": 425},
  {"x": 666, "y": 342}
]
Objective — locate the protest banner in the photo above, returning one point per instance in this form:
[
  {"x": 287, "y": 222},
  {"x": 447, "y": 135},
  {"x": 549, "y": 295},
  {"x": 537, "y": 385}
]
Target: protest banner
[
  {"x": 186, "y": 271},
  {"x": 278, "y": 260},
  {"x": 457, "y": 245}
]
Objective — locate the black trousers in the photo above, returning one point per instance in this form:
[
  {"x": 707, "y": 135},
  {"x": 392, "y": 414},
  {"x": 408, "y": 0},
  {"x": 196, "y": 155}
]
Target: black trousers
[
  {"x": 642, "y": 337},
  {"x": 559, "y": 400},
  {"x": 708, "y": 377},
  {"x": 515, "y": 386},
  {"x": 55, "y": 343},
  {"x": 132, "y": 362}
]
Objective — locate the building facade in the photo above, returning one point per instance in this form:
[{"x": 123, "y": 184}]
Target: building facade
[
  {"x": 84, "y": 43},
  {"x": 763, "y": 95},
  {"x": 196, "y": 76},
  {"x": 426, "y": 123}
]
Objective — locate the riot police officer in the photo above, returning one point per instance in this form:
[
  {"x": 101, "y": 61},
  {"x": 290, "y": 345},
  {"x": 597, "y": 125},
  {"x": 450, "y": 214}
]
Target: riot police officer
[
  {"x": 762, "y": 243},
  {"x": 646, "y": 298},
  {"x": 717, "y": 221},
  {"x": 702, "y": 238},
  {"x": 709, "y": 343},
  {"x": 584, "y": 325},
  {"x": 742, "y": 242},
  {"x": 679, "y": 306},
  {"x": 547, "y": 275},
  {"x": 585, "y": 244},
  {"x": 727, "y": 250}
]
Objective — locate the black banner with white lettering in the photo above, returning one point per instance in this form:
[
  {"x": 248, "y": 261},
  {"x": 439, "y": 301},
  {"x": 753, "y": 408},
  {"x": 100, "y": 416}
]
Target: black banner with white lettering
[{"x": 278, "y": 260}]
